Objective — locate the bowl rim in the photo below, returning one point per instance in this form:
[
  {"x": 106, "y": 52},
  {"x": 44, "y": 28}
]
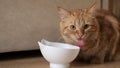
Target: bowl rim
[{"x": 61, "y": 45}]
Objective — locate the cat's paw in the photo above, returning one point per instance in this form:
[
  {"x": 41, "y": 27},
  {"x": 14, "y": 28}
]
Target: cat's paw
[{"x": 97, "y": 61}]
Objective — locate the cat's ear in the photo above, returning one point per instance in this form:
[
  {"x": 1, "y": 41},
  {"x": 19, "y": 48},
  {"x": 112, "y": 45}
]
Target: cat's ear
[
  {"x": 63, "y": 13},
  {"x": 93, "y": 8}
]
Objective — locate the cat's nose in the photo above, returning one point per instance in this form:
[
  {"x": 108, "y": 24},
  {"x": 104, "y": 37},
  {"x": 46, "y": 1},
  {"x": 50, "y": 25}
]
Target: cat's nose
[
  {"x": 80, "y": 37},
  {"x": 79, "y": 33}
]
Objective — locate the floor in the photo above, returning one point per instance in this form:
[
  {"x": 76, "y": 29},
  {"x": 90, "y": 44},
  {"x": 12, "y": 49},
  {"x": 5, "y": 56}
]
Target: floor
[{"x": 35, "y": 60}]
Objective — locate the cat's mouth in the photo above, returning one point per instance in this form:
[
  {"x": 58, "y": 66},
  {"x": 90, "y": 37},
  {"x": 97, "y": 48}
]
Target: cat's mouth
[{"x": 81, "y": 42}]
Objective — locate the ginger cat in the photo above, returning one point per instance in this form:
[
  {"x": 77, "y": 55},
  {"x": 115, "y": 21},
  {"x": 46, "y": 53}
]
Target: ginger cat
[{"x": 97, "y": 29}]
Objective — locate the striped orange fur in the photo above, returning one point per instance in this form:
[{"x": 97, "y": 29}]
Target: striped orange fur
[{"x": 98, "y": 28}]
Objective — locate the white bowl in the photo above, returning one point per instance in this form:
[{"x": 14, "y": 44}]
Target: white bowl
[{"x": 58, "y": 54}]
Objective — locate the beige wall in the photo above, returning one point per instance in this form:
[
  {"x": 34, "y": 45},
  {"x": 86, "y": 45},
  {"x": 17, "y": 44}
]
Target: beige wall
[{"x": 24, "y": 22}]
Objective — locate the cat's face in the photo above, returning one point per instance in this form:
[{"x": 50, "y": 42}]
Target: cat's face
[{"x": 78, "y": 24}]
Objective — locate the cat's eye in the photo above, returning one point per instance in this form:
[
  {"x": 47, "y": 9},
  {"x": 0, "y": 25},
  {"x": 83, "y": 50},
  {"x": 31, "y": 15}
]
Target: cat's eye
[
  {"x": 86, "y": 26},
  {"x": 72, "y": 27}
]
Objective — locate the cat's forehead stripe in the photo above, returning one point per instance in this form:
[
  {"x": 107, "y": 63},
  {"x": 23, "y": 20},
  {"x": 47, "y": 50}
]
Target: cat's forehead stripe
[
  {"x": 80, "y": 16},
  {"x": 79, "y": 13}
]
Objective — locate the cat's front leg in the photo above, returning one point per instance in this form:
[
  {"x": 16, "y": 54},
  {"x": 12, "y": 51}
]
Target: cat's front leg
[{"x": 99, "y": 58}]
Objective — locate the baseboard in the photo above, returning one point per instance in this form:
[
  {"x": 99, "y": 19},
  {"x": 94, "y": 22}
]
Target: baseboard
[{"x": 19, "y": 54}]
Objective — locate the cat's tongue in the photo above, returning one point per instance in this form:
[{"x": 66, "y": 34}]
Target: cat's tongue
[{"x": 81, "y": 43}]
